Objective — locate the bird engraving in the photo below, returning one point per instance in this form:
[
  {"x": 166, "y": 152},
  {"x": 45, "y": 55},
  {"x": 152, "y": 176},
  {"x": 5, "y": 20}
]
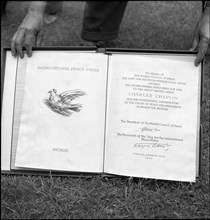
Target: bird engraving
[{"x": 62, "y": 103}]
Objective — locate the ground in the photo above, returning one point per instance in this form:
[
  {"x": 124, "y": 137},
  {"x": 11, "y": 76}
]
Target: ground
[{"x": 146, "y": 25}]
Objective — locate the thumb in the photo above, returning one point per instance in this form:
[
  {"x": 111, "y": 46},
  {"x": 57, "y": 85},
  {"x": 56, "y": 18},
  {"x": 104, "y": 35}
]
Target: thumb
[
  {"x": 195, "y": 38},
  {"x": 202, "y": 49}
]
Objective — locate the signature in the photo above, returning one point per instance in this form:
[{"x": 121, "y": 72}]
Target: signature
[
  {"x": 152, "y": 145},
  {"x": 143, "y": 129}
]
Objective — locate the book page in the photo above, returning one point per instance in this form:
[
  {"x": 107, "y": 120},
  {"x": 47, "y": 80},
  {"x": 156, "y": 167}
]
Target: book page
[
  {"x": 18, "y": 100},
  {"x": 8, "y": 85},
  {"x": 63, "y": 112},
  {"x": 152, "y": 117}
]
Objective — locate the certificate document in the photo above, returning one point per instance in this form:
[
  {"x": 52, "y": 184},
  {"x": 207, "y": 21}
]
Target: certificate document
[
  {"x": 152, "y": 117},
  {"x": 114, "y": 113}
]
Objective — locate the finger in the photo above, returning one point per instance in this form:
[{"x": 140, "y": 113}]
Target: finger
[
  {"x": 19, "y": 42},
  {"x": 28, "y": 50},
  {"x": 39, "y": 40},
  {"x": 202, "y": 49},
  {"x": 40, "y": 37},
  {"x": 29, "y": 41},
  {"x": 13, "y": 49},
  {"x": 195, "y": 39}
]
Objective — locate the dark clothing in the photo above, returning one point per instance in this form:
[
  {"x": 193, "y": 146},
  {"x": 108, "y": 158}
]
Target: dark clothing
[
  {"x": 102, "y": 20},
  {"x": 3, "y": 7}
]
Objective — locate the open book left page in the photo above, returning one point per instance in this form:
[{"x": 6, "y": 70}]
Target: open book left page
[{"x": 63, "y": 112}]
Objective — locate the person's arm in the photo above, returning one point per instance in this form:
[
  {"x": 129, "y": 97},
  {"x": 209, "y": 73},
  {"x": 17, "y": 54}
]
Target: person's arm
[
  {"x": 201, "y": 35},
  {"x": 26, "y": 35}
]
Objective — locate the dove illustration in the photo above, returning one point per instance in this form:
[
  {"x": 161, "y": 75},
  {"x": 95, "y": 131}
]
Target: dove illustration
[{"x": 61, "y": 103}]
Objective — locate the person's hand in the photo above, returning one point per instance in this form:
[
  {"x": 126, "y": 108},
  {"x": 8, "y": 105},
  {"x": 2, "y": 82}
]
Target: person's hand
[
  {"x": 27, "y": 34},
  {"x": 201, "y": 36}
]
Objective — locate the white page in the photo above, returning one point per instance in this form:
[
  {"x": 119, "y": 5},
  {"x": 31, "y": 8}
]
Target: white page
[
  {"x": 183, "y": 57},
  {"x": 7, "y": 110},
  {"x": 143, "y": 138},
  {"x": 18, "y": 100},
  {"x": 49, "y": 140}
]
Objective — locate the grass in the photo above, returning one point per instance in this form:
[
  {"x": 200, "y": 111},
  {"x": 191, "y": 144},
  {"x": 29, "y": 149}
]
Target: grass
[
  {"x": 152, "y": 25},
  {"x": 36, "y": 197}
]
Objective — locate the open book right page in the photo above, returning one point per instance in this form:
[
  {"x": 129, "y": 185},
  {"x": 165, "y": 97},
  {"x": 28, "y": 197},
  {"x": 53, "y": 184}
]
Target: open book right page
[{"x": 152, "y": 116}]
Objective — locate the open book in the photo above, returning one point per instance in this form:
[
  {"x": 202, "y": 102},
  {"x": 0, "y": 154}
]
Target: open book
[{"x": 131, "y": 114}]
